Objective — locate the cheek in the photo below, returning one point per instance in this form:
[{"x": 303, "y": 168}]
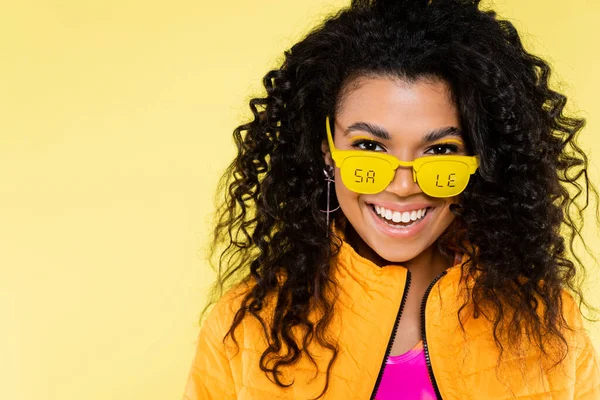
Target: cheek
[
  {"x": 343, "y": 194},
  {"x": 347, "y": 199},
  {"x": 446, "y": 215}
]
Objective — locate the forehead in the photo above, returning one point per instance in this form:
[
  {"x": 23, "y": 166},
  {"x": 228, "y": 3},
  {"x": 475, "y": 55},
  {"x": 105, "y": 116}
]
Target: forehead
[{"x": 401, "y": 107}]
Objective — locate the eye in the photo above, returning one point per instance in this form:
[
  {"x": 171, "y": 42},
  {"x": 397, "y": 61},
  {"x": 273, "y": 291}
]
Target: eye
[
  {"x": 369, "y": 145},
  {"x": 442, "y": 149}
]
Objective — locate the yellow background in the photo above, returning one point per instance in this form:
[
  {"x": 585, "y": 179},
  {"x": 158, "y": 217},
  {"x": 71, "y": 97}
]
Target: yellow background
[{"x": 115, "y": 119}]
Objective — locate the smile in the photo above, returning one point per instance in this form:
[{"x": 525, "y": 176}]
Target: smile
[
  {"x": 396, "y": 216},
  {"x": 385, "y": 220}
]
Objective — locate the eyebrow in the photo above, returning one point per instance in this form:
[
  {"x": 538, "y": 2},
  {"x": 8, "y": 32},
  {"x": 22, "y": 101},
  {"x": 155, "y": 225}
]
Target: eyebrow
[{"x": 381, "y": 133}]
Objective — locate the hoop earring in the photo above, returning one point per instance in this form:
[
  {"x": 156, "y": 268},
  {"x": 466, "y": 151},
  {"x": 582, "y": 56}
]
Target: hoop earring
[{"x": 329, "y": 179}]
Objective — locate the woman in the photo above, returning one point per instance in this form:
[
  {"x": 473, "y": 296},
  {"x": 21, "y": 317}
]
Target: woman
[{"x": 395, "y": 213}]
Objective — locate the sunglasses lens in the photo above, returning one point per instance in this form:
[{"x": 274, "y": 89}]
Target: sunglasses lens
[
  {"x": 443, "y": 178},
  {"x": 366, "y": 175}
]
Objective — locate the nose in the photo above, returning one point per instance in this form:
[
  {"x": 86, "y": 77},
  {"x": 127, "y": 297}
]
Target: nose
[{"x": 403, "y": 184}]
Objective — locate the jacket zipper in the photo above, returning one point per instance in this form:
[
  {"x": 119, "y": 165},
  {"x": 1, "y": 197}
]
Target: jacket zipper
[
  {"x": 423, "y": 336},
  {"x": 438, "y": 395},
  {"x": 392, "y": 337}
]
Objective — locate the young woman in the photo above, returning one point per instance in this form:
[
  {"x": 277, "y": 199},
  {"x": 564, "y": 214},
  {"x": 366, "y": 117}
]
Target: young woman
[{"x": 401, "y": 213}]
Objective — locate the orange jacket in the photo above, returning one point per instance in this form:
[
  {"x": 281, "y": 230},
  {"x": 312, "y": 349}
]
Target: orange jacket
[{"x": 462, "y": 367}]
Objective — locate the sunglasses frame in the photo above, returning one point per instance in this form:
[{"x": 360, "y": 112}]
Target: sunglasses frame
[{"x": 339, "y": 156}]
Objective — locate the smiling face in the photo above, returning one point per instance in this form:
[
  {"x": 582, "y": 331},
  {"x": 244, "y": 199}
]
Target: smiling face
[{"x": 407, "y": 120}]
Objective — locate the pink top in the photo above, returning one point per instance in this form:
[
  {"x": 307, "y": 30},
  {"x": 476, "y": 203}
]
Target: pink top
[{"x": 406, "y": 377}]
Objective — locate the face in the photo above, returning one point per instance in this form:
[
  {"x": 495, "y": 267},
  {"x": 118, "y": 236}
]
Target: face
[{"x": 407, "y": 112}]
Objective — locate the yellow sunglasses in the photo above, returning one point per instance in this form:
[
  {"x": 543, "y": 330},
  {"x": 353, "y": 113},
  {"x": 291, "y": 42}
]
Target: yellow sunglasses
[{"x": 369, "y": 172}]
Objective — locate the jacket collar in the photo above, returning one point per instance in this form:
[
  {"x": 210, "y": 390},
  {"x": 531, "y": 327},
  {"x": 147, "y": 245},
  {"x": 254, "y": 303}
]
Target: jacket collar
[{"x": 362, "y": 269}]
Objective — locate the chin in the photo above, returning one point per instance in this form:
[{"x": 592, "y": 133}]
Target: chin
[{"x": 399, "y": 257}]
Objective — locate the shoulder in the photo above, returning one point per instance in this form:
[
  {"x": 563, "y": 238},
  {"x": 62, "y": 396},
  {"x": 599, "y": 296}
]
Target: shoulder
[
  {"x": 571, "y": 312},
  {"x": 586, "y": 361},
  {"x": 575, "y": 329},
  {"x": 221, "y": 315},
  {"x": 211, "y": 375}
]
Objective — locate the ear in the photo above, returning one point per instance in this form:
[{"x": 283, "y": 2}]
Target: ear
[{"x": 326, "y": 153}]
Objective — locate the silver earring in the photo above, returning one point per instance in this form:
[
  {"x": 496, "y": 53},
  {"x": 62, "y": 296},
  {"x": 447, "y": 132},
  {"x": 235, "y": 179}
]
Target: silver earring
[{"x": 328, "y": 171}]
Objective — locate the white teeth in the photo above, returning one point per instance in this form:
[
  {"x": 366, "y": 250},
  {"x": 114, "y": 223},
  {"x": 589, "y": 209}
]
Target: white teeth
[
  {"x": 405, "y": 216},
  {"x": 397, "y": 216}
]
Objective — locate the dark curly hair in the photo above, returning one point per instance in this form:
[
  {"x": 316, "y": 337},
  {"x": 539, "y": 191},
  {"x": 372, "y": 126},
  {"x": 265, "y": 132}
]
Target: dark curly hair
[{"x": 520, "y": 215}]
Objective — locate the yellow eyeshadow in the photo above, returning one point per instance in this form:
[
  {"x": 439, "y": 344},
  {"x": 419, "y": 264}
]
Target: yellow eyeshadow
[
  {"x": 357, "y": 138},
  {"x": 451, "y": 141}
]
